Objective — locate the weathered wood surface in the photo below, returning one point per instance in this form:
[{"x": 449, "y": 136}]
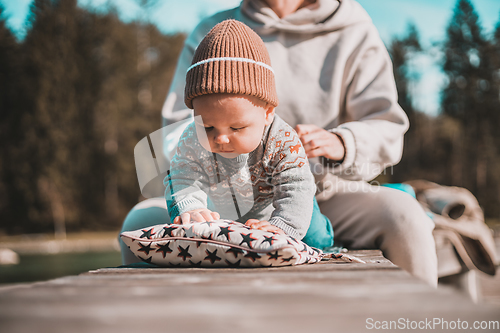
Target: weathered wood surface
[{"x": 325, "y": 297}]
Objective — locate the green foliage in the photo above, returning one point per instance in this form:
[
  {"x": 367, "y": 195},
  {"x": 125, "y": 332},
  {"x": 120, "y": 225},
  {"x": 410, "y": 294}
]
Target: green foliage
[
  {"x": 80, "y": 91},
  {"x": 83, "y": 88},
  {"x": 466, "y": 64},
  {"x": 471, "y": 97},
  {"x": 460, "y": 146},
  {"x": 427, "y": 142},
  {"x": 11, "y": 196},
  {"x": 401, "y": 50}
]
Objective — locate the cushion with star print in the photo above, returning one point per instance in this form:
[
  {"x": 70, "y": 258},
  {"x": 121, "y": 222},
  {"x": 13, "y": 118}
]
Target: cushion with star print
[{"x": 221, "y": 243}]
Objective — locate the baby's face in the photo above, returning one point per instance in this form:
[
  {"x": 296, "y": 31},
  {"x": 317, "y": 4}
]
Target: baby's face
[{"x": 234, "y": 124}]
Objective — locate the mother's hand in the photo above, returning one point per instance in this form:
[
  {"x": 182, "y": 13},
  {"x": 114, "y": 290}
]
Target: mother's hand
[
  {"x": 320, "y": 142},
  {"x": 264, "y": 225}
]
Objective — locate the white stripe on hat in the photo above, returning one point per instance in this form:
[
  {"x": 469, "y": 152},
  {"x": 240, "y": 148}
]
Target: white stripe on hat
[{"x": 230, "y": 59}]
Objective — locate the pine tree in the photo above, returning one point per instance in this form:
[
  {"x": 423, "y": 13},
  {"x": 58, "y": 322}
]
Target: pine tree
[
  {"x": 427, "y": 142},
  {"x": 12, "y": 205},
  {"x": 494, "y": 98},
  {"x": 467, "y": 98},
  {"x": 495, "y": 89},
  {"x": 79, "y": 114},
  {"x": 402, "y": 50}
]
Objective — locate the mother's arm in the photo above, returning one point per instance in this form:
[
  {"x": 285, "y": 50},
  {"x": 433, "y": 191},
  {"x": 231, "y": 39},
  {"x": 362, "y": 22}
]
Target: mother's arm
[{"x": 371, "y": 137}]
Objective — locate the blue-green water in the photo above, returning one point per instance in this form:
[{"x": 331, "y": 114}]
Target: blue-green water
[{"x": 49, "y": 266}]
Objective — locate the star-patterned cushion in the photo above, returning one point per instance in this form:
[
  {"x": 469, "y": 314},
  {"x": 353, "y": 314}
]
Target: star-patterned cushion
[{"x": 222, "y": 243}]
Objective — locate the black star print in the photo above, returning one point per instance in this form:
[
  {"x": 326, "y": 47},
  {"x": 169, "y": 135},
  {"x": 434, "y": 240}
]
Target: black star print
[
  {"x": 225, "y": 231},
  {"x": 198, "y": 243},
  {"x": 184, "y": 252},
  {"x": 212, "y": 256},
  {"x": 189, "y": 232},
  {"x": 274, "y": 256},
  {"x": 147, "y": 233},
  {"x": 168, "y": 231},
  {"x": 175, "y": 265},
  {"x": 145, "y": 249},
  {"x": 197, "y": 264},
  {"x": 209, "y": 223},
  {"x": 235, "y": 251},
  {"x": 286, "y": 259},
  {"x": 253, "y": 255},
  {"x": 236, "y": 264},
  {"x": 289, "y": 242},
  {"x": 270, "y": 240},
  {"x": 164, "y": 249},
  {"x": 245, "y": 226},
  {"x": 148, "y": 260},
  {"x": 247, "y": 238},
  {"x": 207, "y": 237},
  {"x": 304, "y": 249}
]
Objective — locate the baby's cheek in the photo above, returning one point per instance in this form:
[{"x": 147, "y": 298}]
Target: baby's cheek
[
  {"x": 203, "y": 139},
  {"x": 255, "y": 142}
]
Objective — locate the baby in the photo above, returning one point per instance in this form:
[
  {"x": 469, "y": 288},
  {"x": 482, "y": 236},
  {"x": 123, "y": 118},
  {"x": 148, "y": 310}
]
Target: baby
[{"x": 239, "y": 160}]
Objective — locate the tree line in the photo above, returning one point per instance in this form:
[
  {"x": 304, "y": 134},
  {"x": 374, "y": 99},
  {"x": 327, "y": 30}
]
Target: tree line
[
  {"x": 460, "y": 146},
  {"x": 80, "y": 91},
  {"x": 76, "y": 95}
]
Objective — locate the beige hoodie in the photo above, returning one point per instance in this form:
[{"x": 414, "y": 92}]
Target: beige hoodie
[{"x": 332, "y": 70}]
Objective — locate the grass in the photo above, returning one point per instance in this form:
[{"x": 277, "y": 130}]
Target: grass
[{"x": 39, "y": 267}]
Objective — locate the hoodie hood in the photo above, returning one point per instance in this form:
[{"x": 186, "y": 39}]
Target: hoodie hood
[{"x": 322, "y": 16}]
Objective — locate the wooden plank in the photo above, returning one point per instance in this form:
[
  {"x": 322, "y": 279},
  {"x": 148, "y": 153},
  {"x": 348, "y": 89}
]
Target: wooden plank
[
  {"x": 490, "y": 288},
  {"x": 325, "y": 297}
]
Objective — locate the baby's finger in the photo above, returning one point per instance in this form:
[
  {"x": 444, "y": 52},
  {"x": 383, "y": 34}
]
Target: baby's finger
[
  {"x": 251, "y": 222},
  {"x": 197, "y": 217},
  {"x": 261, "y": 225},
  {"x": 279, "y": 231},
  {"x": 206, "y": 215},
  {"x": 215, "y": 215},
  {"x": 186, "y": 218},
  {"x": 272, "y": 228}
]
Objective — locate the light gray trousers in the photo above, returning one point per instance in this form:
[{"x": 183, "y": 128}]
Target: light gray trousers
[{"x": 363, "y": 217}]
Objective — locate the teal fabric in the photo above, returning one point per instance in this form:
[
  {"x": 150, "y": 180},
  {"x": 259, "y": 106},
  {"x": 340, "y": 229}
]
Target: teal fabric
[
  {"x": 408, "y": 189},
  {"x": 320, "y": 232},
  {"x": 402, "y": 187}
]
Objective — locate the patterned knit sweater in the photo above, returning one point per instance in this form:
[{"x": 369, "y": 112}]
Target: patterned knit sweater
[{"x": 272, "y": 183}]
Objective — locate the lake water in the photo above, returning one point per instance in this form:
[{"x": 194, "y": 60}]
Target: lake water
[{"x": 42, "y": 267}]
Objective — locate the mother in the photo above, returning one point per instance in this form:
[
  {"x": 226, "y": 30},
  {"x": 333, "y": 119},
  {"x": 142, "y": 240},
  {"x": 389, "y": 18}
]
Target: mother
[{"x": 335, "y": 85}]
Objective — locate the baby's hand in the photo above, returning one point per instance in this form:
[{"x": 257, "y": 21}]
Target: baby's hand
[
  {"x": 197, "y": 215},
  {"x": 264, "y": 225}
]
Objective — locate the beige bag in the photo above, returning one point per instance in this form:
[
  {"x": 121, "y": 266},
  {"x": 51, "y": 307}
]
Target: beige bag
[{"x": 460, "y": 220}]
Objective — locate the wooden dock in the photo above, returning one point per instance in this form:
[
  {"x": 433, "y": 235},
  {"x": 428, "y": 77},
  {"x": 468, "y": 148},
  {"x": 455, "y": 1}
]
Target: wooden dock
[{"x": 324, "y": 297}]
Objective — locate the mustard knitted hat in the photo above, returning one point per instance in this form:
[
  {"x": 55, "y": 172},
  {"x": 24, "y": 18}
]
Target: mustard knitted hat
[{"x": 231, "y": 58}]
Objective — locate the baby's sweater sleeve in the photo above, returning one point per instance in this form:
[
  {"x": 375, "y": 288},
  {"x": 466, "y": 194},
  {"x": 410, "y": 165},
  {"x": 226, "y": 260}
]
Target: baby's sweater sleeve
[
  {"x": 186, "y": 185},
  {"x": 292, "y": 181}
]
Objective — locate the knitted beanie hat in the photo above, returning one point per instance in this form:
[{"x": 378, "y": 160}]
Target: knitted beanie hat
[{"x": 231, "y": 58}]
